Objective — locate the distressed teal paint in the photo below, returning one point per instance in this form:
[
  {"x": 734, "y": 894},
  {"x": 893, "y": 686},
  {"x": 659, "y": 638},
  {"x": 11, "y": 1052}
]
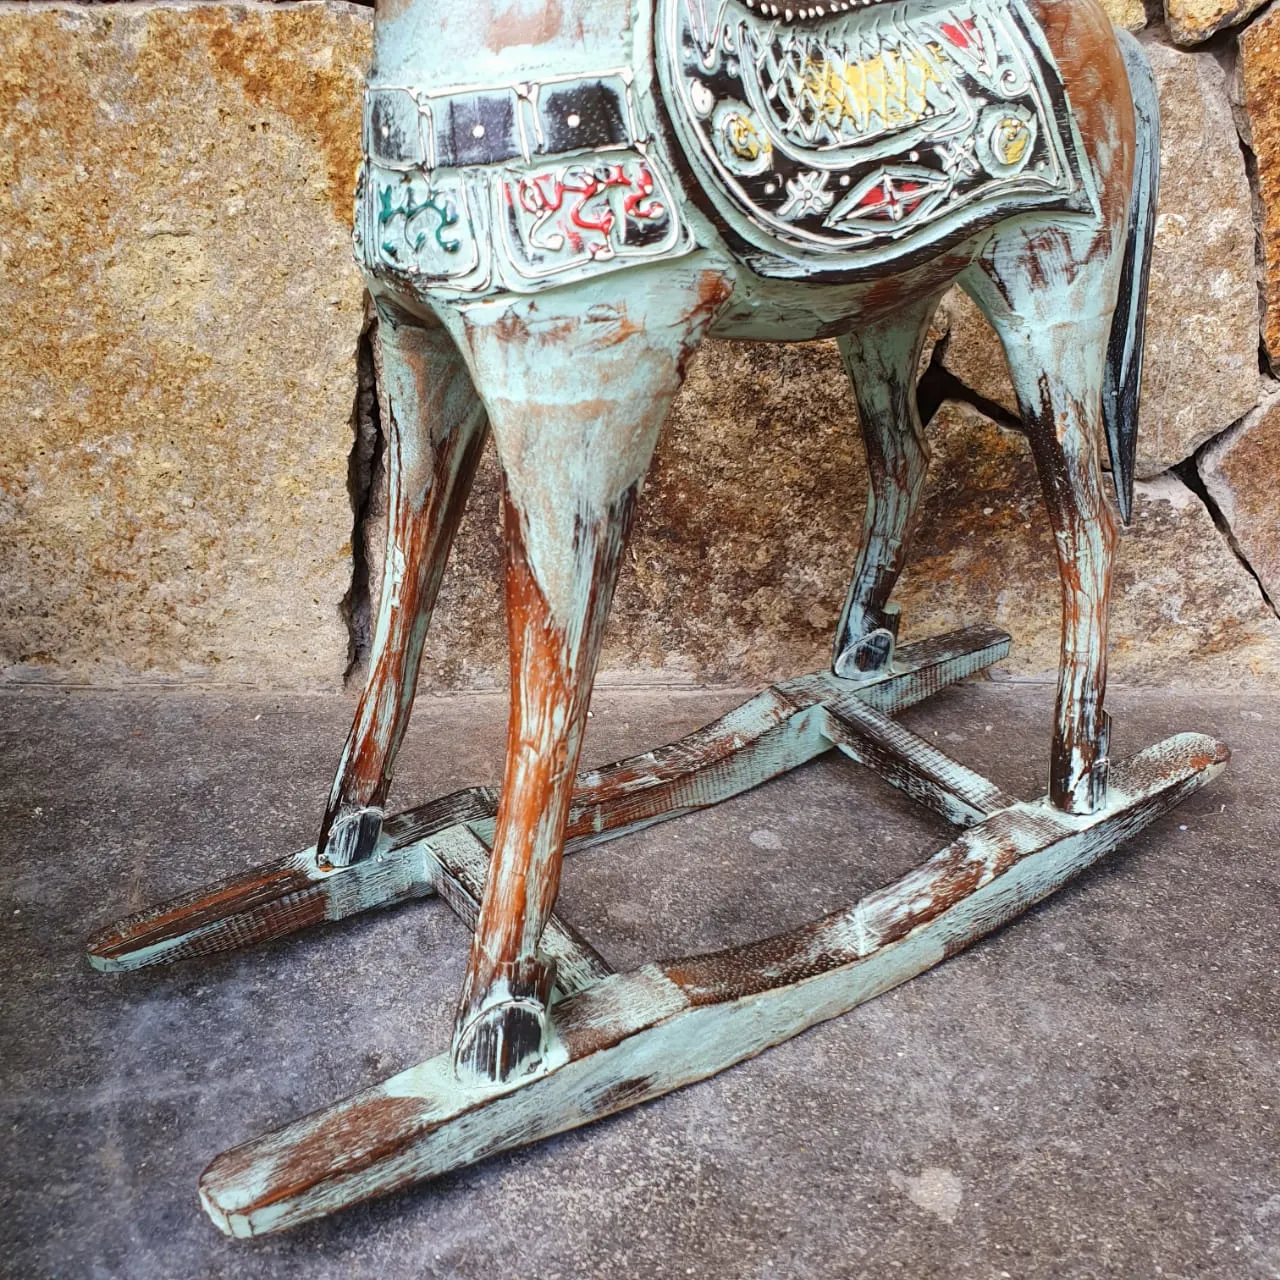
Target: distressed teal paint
[
  {"x": 447, "y": 216},
  {"x": 514, "y": 59},
  {"x": 881, "y": 359},
  {"x": 580, "y": 202},
  {"x": 632, "y": 1037},
  {"x": 774, "y": 732},
  {"x": 431, "y": 45}
]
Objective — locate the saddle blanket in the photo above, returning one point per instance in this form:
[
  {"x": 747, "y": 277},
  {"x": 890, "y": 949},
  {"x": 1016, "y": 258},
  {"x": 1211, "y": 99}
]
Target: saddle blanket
[
  {"x": 853, "y": 131},
  {"x": 826, "y": 141}
]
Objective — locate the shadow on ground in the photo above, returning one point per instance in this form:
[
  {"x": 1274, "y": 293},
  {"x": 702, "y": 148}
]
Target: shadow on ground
[{"x": 1091, "y": 1092}]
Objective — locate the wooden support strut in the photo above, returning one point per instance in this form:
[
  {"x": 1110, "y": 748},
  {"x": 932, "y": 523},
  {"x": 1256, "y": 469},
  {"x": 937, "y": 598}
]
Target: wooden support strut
[
  {"x": 910, "y": 763},
  {"x": 616, "y": 1040},
  {"x": 771, "y": 734},
  {"x": 628, "y": 1038}
]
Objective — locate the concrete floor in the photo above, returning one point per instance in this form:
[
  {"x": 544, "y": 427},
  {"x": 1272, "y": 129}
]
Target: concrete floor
[{"x": 1092, "y": 1092}]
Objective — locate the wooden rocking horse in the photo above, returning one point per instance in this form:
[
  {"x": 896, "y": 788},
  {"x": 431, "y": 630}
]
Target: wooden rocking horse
[{"x": 559, "y": 200}]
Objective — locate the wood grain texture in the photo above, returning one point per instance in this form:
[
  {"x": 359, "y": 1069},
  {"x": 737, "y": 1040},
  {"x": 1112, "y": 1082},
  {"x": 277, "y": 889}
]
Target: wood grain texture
[
  {"x": 635, "y": 1036},
  {"x": 910, "y": 763},
  {"x": 643, "y": 206},
  {"x": 751, "y": 744},
  {"x": 881, "y": 359},
  {"x": 574, "y": 437}
]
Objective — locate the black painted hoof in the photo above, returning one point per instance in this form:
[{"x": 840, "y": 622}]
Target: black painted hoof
[
  {"x": 1080, "y": 786},
  {"x": 872, "y": 655},
  {"x": 352, "y": 838},
  {"x": 506, "y": 1032},
  {"x": 1081, "y": 793},
  {"x": 504, "y": 1042}
]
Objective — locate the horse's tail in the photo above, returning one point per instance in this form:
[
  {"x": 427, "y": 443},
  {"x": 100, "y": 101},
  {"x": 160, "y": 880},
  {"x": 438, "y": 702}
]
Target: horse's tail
[{"x": 1123, "y": 378}]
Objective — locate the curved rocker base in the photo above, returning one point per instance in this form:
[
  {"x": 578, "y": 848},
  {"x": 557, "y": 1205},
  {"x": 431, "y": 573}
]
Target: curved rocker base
[
  {"x": 615, "y": 1040},
  {"x": 631, "y": 1037}
]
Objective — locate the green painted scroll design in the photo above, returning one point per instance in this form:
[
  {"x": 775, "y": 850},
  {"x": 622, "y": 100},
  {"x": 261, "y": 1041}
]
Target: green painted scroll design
[{"x": 389, "y": 211}]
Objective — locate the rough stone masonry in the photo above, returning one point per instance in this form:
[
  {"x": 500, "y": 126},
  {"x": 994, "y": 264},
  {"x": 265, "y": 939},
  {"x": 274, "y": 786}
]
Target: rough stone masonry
[{"x": 189, "y": 458}]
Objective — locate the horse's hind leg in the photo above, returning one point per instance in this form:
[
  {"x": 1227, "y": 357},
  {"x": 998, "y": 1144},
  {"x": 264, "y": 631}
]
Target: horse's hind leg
[
  {"x": 1055, "y": 337},
  {"x": 577, "y": 389},
  {"x": 435, "y": 428},
  {"x": 881, "y": 360}
]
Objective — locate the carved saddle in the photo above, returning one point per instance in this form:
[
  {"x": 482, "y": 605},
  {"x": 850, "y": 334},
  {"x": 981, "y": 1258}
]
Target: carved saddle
[
  {"x": 824, "y": 141},
  {"x": 840, "y": 135}
]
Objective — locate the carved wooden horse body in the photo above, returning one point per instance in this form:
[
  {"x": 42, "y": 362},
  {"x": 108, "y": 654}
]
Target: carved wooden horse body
[
  {"x": 559, "y": 201},
  {"x": 548, "y": 245}
]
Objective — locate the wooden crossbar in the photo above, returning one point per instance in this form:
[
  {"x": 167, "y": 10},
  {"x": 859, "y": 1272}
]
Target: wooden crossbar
[
  {"x": 915, "y": 766},
  {"x": 463, "y": 859}
]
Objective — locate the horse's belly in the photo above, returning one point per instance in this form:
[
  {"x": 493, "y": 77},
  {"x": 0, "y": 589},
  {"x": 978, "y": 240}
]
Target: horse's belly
[{"x": 825, "y": 143}]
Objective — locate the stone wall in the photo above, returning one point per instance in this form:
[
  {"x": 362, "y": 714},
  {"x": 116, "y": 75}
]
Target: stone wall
[
  {"x": 178, "y": 368},
  {"x": 190, "y": 487}
]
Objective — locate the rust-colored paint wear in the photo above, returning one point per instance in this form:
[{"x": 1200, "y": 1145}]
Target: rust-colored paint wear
[
  {"x": 653, "y": 1027},
  {"x": 675, "y": 776},
  {"x": 264, "y": 923},
  {"x": 436, "y": 433},
  {"x": 537, "y": 759},
  {"x": 357, "y": 1137},
  {"x": 321, "y": 100},
  {"x": 1260, "y": 72},
  {"x": 1064, "y": 441},
  {"x": 388, "y": 10},
  {"x": 881, "y": 359},
  {"x": 1082, "y": 38},
  {"x": 262, "y": 886},
  {"x": 506, "y": 26},
  {"x": 606, "y": 325},
  {"x": 548, "y": 681},
  {"x": 425, "y": 534},
  {"x": 714, "y": 289},
  {"x": 886, "y": 916},
  {"x": 619, "y": 1096}
]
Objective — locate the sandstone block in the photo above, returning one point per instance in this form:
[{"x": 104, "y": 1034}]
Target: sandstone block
[
  {"x": 1185, "y": 611},
  {"x": 1191, "y": 21},
  {"x": 1241, "y": 471},
  {"x": 1129, "y": 14},
  {"x": 1200, "y": 374},
  {"x": 973, "y": 352},
  {"x": 177, "y": 380},
  {"x": 1260, "y": 76}
]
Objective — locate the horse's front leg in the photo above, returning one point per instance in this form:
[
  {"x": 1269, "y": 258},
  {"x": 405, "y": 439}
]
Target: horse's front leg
[
  {"x": 577, "y": 390},
  {"x": 1056, "y": 344},
  {"x": 881, "y": 360},
  {"x": 435, "y": 428}
]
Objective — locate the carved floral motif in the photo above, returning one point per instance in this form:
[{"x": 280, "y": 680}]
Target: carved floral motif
[
  {"x": 854, "y": 130},
  {"x": 513, "y": 187}
]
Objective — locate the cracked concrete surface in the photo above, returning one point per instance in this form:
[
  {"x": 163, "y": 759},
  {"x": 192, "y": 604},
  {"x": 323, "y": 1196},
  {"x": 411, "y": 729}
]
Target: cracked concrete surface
[{"x": 1091, "y": 1092}]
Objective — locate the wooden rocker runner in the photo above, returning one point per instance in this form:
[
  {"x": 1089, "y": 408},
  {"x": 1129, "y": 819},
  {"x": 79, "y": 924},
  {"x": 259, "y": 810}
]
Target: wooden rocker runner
[{"x": 556, "y": 206}]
